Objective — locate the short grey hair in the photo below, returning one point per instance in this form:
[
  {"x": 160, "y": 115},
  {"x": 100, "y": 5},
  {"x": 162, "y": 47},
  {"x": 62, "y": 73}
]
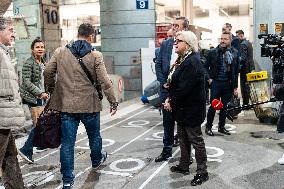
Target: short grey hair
[
  {"x": 190, "y": 38},
  {"x": 185, "y": 22},
  {"x": 4, "y": 22}
]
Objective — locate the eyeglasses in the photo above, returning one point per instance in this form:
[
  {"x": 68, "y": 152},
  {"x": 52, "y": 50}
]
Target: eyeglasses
[
  {"x": 175, "y": 25},
  {"x": 177, "y": 41}
]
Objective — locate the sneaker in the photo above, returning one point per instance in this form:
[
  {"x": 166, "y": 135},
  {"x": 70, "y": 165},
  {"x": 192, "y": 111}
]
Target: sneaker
[
  {"x": 104, "y": 157},
  {"x": 68, "y": 185},
  {"x": 27, "y": 158},
  {"x": 281, "y": 160}
]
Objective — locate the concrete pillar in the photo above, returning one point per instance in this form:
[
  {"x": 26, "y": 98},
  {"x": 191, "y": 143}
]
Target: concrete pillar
[
  {"x": 187, "y": 10},
  {"x": 42, "y": 17},
  {"x": 269, "y": 15},
  {"x": 124, "y": 30}
]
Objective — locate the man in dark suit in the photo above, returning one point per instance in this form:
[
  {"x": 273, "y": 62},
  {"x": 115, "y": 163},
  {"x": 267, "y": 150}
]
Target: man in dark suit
[
  {"x": 166, "y": 58},
  {"x": 246, "y": 65},
  {"x": 222, "y": 67}
]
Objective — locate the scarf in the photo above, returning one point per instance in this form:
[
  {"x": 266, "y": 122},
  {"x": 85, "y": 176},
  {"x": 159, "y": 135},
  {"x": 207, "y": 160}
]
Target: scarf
[{"x": 177, "y": 63}]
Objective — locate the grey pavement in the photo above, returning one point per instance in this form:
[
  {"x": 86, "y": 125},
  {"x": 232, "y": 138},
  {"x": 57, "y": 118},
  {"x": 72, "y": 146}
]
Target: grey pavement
[{"x": 247, "y": 159}]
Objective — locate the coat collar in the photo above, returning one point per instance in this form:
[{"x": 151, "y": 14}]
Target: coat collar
[{"x": 4, "y": 47}]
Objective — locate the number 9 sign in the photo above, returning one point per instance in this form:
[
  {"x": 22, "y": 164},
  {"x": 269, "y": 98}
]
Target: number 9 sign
[{"x": 141, "y": 4}]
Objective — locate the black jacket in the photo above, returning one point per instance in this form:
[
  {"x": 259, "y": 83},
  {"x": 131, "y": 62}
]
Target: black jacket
[
  {"x": 246, "y": 56},
  {"x": 212, "y": 65},
  {"x": 187, "y": 92}
]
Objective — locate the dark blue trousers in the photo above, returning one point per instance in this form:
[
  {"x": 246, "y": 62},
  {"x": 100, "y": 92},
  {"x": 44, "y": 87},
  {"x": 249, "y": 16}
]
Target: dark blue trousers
[{"x": 219, "y": 90}]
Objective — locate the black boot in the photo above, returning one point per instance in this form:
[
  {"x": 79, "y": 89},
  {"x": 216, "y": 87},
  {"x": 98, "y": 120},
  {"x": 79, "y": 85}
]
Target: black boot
[
  {"x": 199, "y": 179},
  {"x": 209, "y": 131},
  {"x": 224, "y": 131},
  {"x": 178, "y": 169},
  {"x": 164, "y": 156}
]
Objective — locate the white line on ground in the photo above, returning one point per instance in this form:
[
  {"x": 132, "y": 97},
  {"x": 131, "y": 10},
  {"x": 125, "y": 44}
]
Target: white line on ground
[
  {"x": 102, "y": 130},
  {"x": 109, "y": 172},
  {"x": 81, "y": 172},
  {"x": 116, "y": 173},
  {"x": 158, "y": 170},
  {"x": 136, "y": 138}
]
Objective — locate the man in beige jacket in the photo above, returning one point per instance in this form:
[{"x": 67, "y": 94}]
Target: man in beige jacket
[
  {"x": 11, "y": 112},
  {"x": 77, "y": 99}
]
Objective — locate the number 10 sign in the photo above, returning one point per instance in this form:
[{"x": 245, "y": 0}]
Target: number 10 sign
[{"x": 141, "y": 4}]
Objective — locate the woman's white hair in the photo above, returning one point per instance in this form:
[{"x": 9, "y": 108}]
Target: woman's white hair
[{"x": 190, "y": 38}]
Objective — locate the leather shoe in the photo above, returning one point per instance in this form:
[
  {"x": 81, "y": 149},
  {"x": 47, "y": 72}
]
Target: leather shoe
[
  {"x": 178, "y": 169},
  {"x": 199, "y": 179},
  {"x": 209, "y": 131},
  {"x": 224, "y": 131},
  {"x": 163, "y": 157}
]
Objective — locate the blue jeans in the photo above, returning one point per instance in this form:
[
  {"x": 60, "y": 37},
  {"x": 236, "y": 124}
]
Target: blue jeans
[
  {"x": 27, "y": 149},
  {"x": 69, "y": 127}
]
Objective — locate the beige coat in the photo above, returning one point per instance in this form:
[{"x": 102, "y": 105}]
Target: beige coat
[
  {"x": 72, "y": 91},
  {"x": 11, "y": 111}
]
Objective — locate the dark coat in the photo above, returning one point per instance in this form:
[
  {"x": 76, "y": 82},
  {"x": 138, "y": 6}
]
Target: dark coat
[
  {"x": 212, "y": 65},
  {"x": 162, "y": 65},
  {"x": 246, "y": 56},
  {"x": 187, "y": 92}
]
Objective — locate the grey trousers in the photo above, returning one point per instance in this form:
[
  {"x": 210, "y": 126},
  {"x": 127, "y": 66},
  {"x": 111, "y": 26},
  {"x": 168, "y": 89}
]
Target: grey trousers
[
  {"x": 192, "y": 136},
  {"x": 12, "y": 176}
]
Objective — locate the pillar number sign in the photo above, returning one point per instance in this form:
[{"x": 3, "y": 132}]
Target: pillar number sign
[{"x": 141, "y": 4}]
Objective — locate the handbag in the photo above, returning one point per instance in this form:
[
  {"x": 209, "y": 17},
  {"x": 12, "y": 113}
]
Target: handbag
[
  {"x": 234, "y": 102},
  {"x": 47, "y": 132}
]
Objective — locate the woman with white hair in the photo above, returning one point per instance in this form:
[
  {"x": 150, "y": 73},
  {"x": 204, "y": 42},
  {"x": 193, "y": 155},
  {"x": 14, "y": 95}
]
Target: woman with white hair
[{"x": 186, "y": 83}]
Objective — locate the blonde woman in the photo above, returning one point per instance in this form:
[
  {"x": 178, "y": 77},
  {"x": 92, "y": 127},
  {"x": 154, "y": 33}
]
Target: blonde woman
[{"x": 186, "y": 83}]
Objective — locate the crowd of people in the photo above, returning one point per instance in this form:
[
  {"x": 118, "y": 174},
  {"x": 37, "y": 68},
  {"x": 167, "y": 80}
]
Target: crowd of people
[{"x": 185, "y": 68}]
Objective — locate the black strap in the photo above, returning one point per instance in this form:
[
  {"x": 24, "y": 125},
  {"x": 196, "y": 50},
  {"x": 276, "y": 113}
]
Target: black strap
[{"x": 87, "y": 72}]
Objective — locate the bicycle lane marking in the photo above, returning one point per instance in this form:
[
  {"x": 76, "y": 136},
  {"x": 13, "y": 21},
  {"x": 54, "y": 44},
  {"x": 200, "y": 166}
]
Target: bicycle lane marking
[
  {"x": 158, "y": 170},
  {"x": 117, "y": 150},
  {"x": 102, "y": 130}
]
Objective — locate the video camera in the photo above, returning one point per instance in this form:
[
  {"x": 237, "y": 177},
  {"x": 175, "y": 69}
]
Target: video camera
[{"x": 273, "y": 47}]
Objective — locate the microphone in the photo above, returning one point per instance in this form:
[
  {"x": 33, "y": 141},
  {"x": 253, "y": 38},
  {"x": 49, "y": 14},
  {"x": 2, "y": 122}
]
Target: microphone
[{"x": 218, "y": 105}]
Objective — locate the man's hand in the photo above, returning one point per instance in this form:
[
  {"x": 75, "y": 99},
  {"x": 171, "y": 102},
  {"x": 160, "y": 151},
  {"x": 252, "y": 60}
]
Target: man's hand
[
  {"x": 167, "y": 105},
  {"x": 113, "y": 108},
  {"x": 166, "y": 85},
  {"x": 210, "y": 81}
]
